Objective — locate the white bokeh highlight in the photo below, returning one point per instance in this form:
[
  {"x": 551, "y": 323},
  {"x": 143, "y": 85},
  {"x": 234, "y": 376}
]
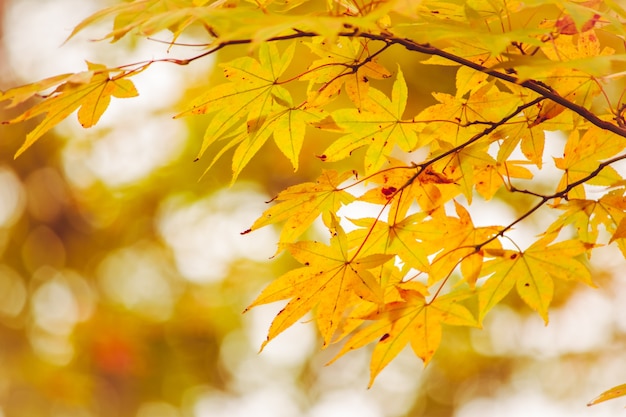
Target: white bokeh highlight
[{"x": 205, "y": 235}]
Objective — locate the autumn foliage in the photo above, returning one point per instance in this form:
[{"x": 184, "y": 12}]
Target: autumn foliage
[{"x": 419, "y": 263}]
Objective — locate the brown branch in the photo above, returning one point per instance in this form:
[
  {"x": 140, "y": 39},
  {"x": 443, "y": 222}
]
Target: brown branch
[
  {"x": 544, "y": 91},
  {"x": 493, "y": 126},
  {"x": 533, "y": 85},
  {"x": 546, "y": 198},
  {"x": 484, "y": 132},
  {"x": 538, "y": 87}
]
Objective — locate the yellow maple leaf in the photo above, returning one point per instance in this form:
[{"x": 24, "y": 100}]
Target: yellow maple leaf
[
  {"x": 332, "y": 280},
  {"x": 342, "y": 62},
  {"x": 582, "y": 155},
  {"x": 246, "y": 106},
  {"x": 532, "y": 272},
  {"x": 456, "y": 119},
  {"x": 400, "y": 186},
  {"x": 398, "y": 237},
  {"x": 22, "y": 93},
  {"x": 588, "y": 215},
  {"x": 491, "y": 177},
  {"x": 379, "y": 126},
  {"x": 531, "y": 139},
  {"x": 409, "y": 319},
  {"x": 89, "y": 91},
  {"x": 300, "y": 204},
  {"x": 458, "y": 240}
]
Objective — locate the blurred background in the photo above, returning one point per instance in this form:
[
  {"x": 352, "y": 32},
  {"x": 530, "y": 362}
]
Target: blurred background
[{"x": 123, "y": 274}]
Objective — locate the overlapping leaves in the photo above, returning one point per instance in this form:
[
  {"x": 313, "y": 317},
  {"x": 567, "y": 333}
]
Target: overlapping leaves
[
  {"x": 252, "y": 106},
  {"x": 532, "y": 273},
  {"x": 89, "y": 91},
  {"x": 388, "y": 280},
  {"x": 333, "y": 276},
  {"x": 377, "y": 123}
]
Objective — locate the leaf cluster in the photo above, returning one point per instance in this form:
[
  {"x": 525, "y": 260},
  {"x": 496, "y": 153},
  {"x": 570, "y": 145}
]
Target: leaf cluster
[{"x": 399, "y": 277}]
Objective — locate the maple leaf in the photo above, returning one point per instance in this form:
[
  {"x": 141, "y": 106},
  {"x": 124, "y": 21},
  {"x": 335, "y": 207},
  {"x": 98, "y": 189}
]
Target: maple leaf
[
  {"x": 287, "y": 126},
  {"x": 400, "y": 186},
  {"x": 23, "y": 93},
  {"x": 566, "y": 25},
  {"x": 149, "y": 17},
  {"x": 573, "y": 68},
  {"x": 456, "y": 119},
  {"x": 409, "y": 319},
  {"x": 510, "y": 79},
  {"x": 581, "y": 156},
  {"x": 300, "y": 204},
  {"x": 468, "y": 80},
  {"x": 588, "y": 215},
  {"x": 246, "y": 104},
  {"x": 331, "y": 280},
  {"x": 458, "y": 239},
  {"x": 130, "y": 12},
  {"x": 400, "y": 237},
  {"x": 532, "y": 272},
  {"x": 569, "y": 48},
  {"x": 343, "y": 62},
  {"x": 461, "y": 165},
  {"x": 379, "y": 126},
  {"x": 473, "y": 168},
  {"x": 89, "y": 91},
  {"x": 492, "y": 177},
  {"x": 389, "y": 276},
  {"x": 531, "y": 139}
]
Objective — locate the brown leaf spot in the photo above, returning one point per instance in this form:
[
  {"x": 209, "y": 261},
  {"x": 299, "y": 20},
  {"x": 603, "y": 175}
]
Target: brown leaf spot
[
  {"x": 388, "y": 191},
  {"x": 566, "y": 26},
  {"x": 428, "y": 176}
]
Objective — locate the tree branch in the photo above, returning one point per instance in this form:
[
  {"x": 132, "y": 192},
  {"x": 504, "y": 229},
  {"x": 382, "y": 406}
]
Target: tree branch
[{"x": 533, "y": 85}]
